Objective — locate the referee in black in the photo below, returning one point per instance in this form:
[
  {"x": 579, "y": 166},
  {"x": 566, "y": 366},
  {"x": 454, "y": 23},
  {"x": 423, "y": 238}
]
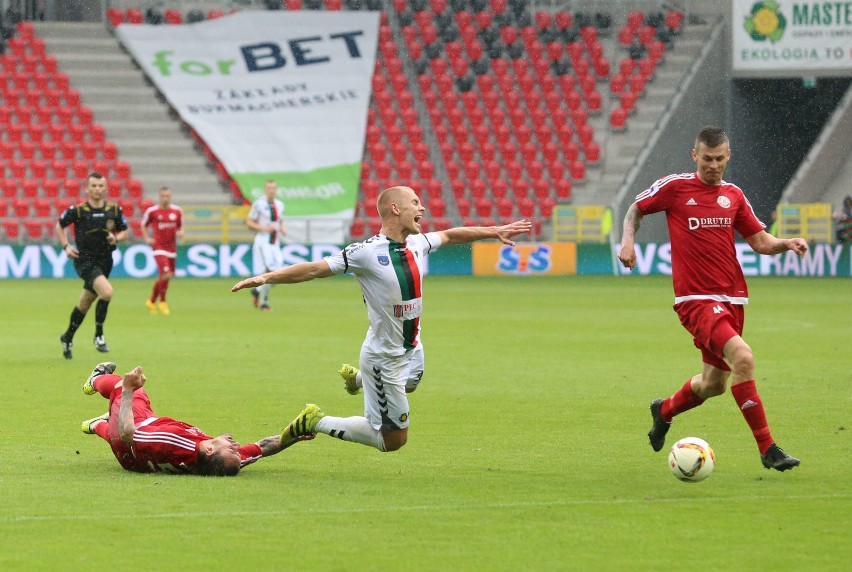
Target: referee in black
[{"x": 98, "y": 226}]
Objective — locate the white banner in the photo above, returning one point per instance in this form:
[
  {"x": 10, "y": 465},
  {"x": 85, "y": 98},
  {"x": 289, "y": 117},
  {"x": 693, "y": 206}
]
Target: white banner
[
  {"x": 276, "y": 95},
  {"x": 793, "y": 37}
]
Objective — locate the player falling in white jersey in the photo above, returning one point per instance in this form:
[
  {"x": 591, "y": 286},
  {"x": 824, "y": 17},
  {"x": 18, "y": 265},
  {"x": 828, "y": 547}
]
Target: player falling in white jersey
[{"x": 388, "y": 267}]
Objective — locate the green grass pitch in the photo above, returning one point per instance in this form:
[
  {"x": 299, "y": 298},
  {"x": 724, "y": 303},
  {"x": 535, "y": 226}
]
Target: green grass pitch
[{"x": 527, "y": 448}]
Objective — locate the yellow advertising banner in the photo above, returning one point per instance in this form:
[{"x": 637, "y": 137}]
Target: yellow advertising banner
[{"x": 525, "y": 259}]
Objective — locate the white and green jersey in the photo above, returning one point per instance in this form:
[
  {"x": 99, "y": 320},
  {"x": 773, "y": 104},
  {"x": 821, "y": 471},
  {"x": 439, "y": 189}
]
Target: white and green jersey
[{"x": 391, "y": 282}]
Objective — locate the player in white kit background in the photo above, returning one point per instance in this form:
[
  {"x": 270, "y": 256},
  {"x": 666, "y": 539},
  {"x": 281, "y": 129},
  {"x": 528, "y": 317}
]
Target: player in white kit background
[
  {"x": 265, "y": 217},
  {"x": 388, "y": 268}
]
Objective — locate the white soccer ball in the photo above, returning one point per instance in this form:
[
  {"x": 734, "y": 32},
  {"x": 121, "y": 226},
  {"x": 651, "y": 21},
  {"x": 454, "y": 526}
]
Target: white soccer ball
[{"x": 691, "y": 459}]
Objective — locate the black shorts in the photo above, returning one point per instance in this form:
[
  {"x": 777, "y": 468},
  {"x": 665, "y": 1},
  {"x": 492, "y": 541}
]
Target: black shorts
[{"x": 90, "y": 268}]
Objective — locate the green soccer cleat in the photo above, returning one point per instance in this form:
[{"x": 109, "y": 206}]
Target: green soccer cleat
[
  {"x": 348, "y": 373},
  {"x": 88, "y": 426},
  {"x": 102, "y": 368},
  {"x": 302, "y": 427}
]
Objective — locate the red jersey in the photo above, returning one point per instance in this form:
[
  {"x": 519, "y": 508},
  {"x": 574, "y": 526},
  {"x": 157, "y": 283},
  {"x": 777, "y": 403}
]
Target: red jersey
[
  {"x": 160, "y": 444},
  {"x": 164, "y": 224},
  {"x": 701, "y": 220}
]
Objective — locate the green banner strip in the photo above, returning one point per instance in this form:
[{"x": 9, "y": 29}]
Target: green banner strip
[{"x": 323, "y": 191}]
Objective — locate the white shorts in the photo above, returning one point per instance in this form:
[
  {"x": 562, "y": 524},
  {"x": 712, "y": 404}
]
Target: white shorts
[
  {"x": 268, "y": 255},
  {"x": 385, "y": 380}
]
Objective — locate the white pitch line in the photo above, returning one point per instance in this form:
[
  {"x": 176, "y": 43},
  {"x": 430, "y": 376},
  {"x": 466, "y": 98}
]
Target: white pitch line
[{"x": 418, "y": 508}]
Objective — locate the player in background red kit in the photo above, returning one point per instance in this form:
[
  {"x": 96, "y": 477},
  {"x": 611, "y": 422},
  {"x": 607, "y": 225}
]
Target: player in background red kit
[
  {"x": 166, "y": 222},
  {"x": 145, "y": 443},
  {"x": 702, "y": 212}
]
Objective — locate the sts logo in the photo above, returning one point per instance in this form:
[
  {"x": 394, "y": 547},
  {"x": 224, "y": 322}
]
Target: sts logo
[{"x": 524, "y": 259}]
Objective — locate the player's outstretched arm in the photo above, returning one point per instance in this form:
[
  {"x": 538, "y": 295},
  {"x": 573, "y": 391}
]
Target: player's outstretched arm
[
  {"x": 632, "y": 221},
  {"x": 272, "y": 445},
  {"x": 504, "y": 233},
  {"x": 764, "y": 243},
  {"x": 301, "y": 272}
]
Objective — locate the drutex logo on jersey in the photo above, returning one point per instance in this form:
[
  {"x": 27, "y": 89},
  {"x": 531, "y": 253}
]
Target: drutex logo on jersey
[
  {"x": 709, "y": 222},
  {"x": 408, "y": 310}
]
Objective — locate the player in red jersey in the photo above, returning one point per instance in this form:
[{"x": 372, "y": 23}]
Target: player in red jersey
[
  {"x": 166, "y": 222},
  {"x": 145, "y": 443},
  {"x": 702, "y": 212}
]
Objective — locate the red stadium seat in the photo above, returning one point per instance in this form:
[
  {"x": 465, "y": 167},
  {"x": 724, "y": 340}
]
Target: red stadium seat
[
  {"x": 59, "y": 169},
  {"x": 545, "y": 207},
  {"x": 21, "y": 207},
  {"x": 134, "y": 188},
  {"x": 115, "y": 16},
  {"x": 122, "y": 169},
  {"x": 10, "y": 189},
  {"x": 34, "y": 229},
  {"x": 71, "y": 187},
  {"x": 42, "y": 207},
  {"x": 30, "y": 188},
  {"x": 173, "y": 16},
  {"x": 563, "y": 190},
  {"x": 135, "y": 16},
  {"x": 60, "y": 205},
  {"x": 357, "y": 228},
  {"x": 437, "y": 208},
  {"x": 12, "y": 229},
  {"x": 618, "y": 119},
  {"x": 577, "y": 170},
  {"x": 50, "y": 188}
]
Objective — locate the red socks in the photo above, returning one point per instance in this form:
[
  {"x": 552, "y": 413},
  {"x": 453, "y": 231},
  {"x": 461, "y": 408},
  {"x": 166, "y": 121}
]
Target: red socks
[
  {"x": 160, "y": 287},
  {"x": 751, "y": 407},
  {"x": 682, "y": 400},
  {"x": 102, "y": 430},
  {"x": 156, "y": 292}
]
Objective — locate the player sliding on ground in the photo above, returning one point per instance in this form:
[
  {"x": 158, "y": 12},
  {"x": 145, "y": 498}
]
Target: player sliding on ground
[
  {"x": 710, "y": 291},
  {"x": 145, "y": 443},
  {"x": 388, "y": 267}
]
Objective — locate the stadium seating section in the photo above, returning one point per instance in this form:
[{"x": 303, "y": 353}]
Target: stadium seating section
[
  {"x": 50, "y": 142},
  {"x": 482, "y": 106}
]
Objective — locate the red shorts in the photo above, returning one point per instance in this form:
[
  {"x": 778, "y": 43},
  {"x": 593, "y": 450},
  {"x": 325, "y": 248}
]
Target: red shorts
[
  {"x": 164, "y": 263},
  {"x": 711, "y": 324}
]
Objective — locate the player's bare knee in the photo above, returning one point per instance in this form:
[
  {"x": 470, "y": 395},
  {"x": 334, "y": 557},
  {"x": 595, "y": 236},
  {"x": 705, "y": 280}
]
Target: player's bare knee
[
  {"x": 394, "y": 440},
  {"x": 743, "y": 361}
]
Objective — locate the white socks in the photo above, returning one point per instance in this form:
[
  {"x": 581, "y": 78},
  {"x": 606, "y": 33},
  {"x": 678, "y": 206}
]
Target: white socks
[
  {"x": 263, "y": 291},
  {"x": 354, "y": 429}
]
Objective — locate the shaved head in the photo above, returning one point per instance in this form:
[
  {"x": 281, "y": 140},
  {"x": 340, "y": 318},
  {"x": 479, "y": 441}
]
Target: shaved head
[{"x": 388, "y": 197}]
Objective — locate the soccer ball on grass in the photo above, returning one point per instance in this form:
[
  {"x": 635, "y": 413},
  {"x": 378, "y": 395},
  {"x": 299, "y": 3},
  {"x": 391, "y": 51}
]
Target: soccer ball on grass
[{"x": 691, "y": 459}]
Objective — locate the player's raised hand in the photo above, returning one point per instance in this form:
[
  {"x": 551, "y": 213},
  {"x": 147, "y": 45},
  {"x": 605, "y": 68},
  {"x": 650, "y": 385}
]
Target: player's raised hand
[
  {"x": 134, "y": 379},
  {"x": 508, "y": 231}
]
